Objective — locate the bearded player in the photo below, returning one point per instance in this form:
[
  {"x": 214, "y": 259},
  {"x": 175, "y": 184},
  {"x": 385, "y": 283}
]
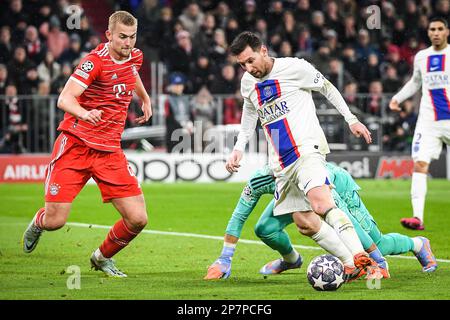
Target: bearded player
[
  {"x": 432, "y": 73},
  {"x": 95, "y": 100}
]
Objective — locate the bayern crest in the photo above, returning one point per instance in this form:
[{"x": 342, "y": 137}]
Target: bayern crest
[{"x": 54, "y": 189}]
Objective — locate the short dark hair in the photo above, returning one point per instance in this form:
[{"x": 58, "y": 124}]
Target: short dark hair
[
  {"x": 243, "y": 40},
  {"x": 439, "y": 19}
]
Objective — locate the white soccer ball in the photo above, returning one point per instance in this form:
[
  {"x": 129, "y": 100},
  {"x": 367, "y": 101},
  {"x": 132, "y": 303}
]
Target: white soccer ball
[{"x": 325, "y": 273}]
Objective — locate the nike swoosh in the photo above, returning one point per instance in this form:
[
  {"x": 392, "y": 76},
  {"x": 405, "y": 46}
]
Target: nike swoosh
[
  {"x": 433, "y": 68},
  {"x": 307, "y": 183}
]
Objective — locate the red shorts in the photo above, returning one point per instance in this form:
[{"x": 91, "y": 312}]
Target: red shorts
[{"x": 73, "y": 164}]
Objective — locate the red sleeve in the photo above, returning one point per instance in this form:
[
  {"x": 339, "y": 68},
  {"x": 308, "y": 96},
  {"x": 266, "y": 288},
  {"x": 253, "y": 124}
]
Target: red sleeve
[
  {"x": 87, "y": 71},
  {"x": 138, "y": 58}
]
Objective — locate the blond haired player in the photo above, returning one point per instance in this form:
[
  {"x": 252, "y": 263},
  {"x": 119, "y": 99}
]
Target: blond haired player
[{"x": 96, "y": 99}]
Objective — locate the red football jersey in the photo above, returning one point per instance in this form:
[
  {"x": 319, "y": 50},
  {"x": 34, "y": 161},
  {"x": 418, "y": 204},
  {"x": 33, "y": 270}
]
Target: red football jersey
[{"x": 109, "y": 87}]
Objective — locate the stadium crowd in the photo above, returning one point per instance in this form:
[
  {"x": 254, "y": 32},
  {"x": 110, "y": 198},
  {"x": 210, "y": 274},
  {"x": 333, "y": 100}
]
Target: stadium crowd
[{"x": 38, "y": 52}]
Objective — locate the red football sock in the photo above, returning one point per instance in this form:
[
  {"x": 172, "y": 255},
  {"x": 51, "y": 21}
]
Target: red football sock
[
  {"x": 118, "y": 238},
  {"x": 39, "y": 221}
]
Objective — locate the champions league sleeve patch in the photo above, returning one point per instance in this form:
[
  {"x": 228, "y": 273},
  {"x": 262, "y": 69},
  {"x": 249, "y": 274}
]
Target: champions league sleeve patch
[
  {"x": 87, "y": 66},
  {"x": 247, "y": 193}
]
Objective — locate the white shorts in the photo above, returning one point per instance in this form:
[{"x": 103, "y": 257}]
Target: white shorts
[
  {"x": 428, "y": 140},
  {"x": 295, "y": 181}
]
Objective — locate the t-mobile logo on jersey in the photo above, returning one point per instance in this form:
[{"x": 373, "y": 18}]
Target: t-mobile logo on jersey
[{"x": 121, "y": 89}]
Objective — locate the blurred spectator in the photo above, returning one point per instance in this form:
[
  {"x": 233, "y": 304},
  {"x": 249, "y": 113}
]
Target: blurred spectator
[
  {"x": 302, "y": 12},
  {"x": 247, "y": 19},
  {"x": 364, "y": 48},
  {"x": 317, "y": 27},
  {"x": 178, "y": 114},
  {"x": 286, "y": 49},
  {"x": 388, "y": 19},
  {"x": 182, "y": 56},
  {"x": 351, "y": 95},
  {"x": 18, "y": 68},
  {"x": 14, "y": 14},
  {"x": 73, "y": 52},
  {"x": 232, "y": 29},
  {"x": 3, "y": 79},
  {"x": 322, "y": 58},
  {"x": 422, "y": 30},
  {"x": 370, "y": 71},
  {"x": 226, "y": 83},
  {"x": 148, "y": 15},
  {"x": 349, "y": 34},
  {"x": 36, "y": 50},
  {"x": 289, "y": 30},
  {"x": 205, "y": 38},
  {"x": 409, "y": 49},
  {"x": 48, "y": 70},
  {"x": 276, "y": 15},
  {"x": 348, "y": 8},
  {"x": 203, "y": 73},
  {"x": 30, "y": 85},
  {"x": 218, "y": 53},
  {"x": 391, "y": 82},
  {"x": 6, "y": 47},
  {"x": 337, "y": 74},
  {"x": 333, "y": 43},
  {"x": 399, "y": 33},
  {"x": 61, "y": 80},
  {"x": 261, "y": 30},
  {"x": 85, "y": 32},
  {"x": 393, "y": 57},
  {"x": 192, "y": 19},
  {"x": 332, "y": 17},
  {"x": 223, "y": 14},
  {"x": 57, "y": 40},
  {"x": 305, "y": 43},
  {"x": 164, "y": 32},
  {"x": 374, "y": 101},
  {"x": 204, "y": 110},
  {"x": 43, "y": 15},
  {"x": 443, "y": 9},
  {"x": 398, "y": 133},
  {"x": 411, "y": 16},
  {"x": 13, "y": 140},
  {"x": 350, "y": 62},
  {"x": 92, "y": 43}
]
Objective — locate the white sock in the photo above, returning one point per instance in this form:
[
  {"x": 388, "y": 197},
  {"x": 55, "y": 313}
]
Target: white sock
[
  {"x": 229, "y": 244},
  {"x": 291, "y": 257},
  {"x": 329, "y": 240},
  {"x": 345, "y": 230},
  {"x": 99, "y": 256},
  {"x": 417, "y": 244},
  {"x": 418, "y": 193}
]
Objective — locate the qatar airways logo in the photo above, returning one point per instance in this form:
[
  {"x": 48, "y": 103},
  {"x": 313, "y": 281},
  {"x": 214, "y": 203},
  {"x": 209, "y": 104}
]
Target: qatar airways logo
[
  {"x": 270, "y": 112},
  {"x": 436, "y": 80}
]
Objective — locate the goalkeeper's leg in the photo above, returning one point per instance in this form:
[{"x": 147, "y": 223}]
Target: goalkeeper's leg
[
  {"x": 396, "y": 243},
  {"x": 270, "y": 229}
]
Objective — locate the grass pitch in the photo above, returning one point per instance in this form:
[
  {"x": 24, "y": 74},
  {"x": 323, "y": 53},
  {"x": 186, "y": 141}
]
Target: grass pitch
[{"x": 172, "y": 266}]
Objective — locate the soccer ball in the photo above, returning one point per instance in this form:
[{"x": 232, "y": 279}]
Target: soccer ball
[{"x": 325, "y": 273}]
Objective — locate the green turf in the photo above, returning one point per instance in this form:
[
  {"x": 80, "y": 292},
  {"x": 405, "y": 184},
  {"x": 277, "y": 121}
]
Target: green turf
[{"x": 172, "y": 267}]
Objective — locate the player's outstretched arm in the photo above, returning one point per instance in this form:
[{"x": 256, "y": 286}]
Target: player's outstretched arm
[
  {"x": 221, "y": 268},
  {"x": 67, "y": 101},
  {"x": 146, "y": 101},
  {"x": 409, "y": 89}
]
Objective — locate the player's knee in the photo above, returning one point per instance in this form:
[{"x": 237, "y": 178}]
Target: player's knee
[
  {"x": 321, "y": 207},
  {"x": 421, "y": 167},
  {"x": 263, "y": 231},
  {"x": 137, "y": 222}
]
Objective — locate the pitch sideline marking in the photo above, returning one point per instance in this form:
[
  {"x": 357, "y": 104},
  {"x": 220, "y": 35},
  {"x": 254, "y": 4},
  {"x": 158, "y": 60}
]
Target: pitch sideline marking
[{"x": 204, "y": 236}]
